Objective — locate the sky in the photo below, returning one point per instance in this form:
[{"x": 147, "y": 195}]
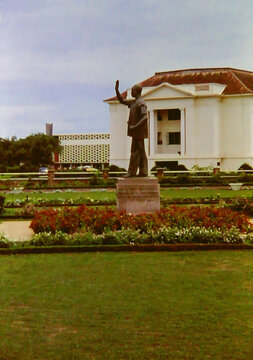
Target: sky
[{"x": 59, "y": 59}]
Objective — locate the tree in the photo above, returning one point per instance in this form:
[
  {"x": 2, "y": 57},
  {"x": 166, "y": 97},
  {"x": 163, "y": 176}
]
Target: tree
[
  {"x": 28, "y": 153},
  {"x": 39, "y": 149},
  {"x": 8, "y": 149}
]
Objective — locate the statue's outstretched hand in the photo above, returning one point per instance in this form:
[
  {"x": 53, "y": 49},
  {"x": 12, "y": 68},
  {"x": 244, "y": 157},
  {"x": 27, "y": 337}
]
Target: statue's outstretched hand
[{"x": 119, "y": 97}]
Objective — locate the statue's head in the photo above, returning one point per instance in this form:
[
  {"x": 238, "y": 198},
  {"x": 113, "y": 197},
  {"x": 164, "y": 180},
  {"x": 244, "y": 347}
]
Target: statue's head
[{"x": 136, "y": 90}]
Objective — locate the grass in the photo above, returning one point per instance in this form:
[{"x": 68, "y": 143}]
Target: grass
[
  {"x": 107, "y": 306},
  {"x": 111, "y": 195},
  {"x": 204, "y": 193},
  {"x": 96, "y": 195}
]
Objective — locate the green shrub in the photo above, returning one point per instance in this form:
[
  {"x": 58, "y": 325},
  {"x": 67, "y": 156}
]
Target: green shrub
[
  {"x": 181, "y": 167},
  {"x": 164, "y": 235},
  {"x": 86, "y": 238},
  {"x": 47, "y": 239},
  {"x": 120, "y": 237},
  {"x": 245, "y": 166},
  {"x": 28, "y": 210},
  {"x": 245, "y": 178},
  {"x": 239, "y": 204},
  {"x": 4, "y": 241},
  {"x": 2, "y": 199},
  {"x": 183, "y": 179},
  {"x": 196, "y": 235},
  {"x": 116, "y": 168}
]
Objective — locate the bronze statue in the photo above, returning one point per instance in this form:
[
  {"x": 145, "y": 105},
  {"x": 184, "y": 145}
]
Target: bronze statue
[{"x": 137, "y": 129}]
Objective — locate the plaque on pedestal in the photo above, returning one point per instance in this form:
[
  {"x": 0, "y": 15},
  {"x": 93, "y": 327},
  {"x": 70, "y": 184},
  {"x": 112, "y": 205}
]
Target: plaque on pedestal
[{"x": 138, "y": 195}]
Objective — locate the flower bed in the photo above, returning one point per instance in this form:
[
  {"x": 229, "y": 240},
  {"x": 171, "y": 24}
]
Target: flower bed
[
  {"x": 97, "y": 221},
  {"x": 164, "y": 236},
  {"x": 135, "y": 237}
]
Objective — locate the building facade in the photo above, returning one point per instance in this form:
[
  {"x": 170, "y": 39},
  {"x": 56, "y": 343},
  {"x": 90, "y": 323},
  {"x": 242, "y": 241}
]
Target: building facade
[
  {"x": 200, "y": 117},
  {"x": 83, "y": 149}
]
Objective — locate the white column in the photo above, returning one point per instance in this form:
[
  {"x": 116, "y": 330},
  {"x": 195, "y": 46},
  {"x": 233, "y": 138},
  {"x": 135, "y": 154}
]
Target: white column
[
  {"x": 216, "y": 122},
  {"x": 251, "y": 134},
  {"x": 182, "y": 131},
  {"x": 152, "y": 134}
]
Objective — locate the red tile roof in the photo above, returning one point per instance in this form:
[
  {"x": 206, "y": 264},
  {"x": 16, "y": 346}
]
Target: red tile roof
[{"x": 237, "y": 81}]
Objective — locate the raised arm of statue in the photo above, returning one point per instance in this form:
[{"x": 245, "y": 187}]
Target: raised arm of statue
[{"x": 120, "y": 98}]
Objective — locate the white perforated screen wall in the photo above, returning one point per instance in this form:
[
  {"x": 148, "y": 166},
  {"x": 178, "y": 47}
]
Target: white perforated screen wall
[{"x": 84, "y": 148}]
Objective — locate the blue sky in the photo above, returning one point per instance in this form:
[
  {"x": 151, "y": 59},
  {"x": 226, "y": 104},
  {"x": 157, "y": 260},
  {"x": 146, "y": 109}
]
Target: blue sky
[{"x": 60, "y": 58}]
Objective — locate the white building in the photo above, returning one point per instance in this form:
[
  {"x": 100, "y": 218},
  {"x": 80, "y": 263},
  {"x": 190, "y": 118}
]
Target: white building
[
  {"x": 80, "y": 149},
  {"x": 198, "y": 117}
]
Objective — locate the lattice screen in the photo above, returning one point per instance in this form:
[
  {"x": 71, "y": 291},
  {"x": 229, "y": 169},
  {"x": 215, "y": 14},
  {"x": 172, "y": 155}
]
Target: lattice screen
[{"x": 84, "y": 148}]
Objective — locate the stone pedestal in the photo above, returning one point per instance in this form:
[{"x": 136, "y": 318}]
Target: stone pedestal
[{"x": 138, "y": 195}]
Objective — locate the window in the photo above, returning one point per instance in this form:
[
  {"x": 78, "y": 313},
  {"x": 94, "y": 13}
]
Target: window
[
  {"x": 173, "y": 138},
  {"x": 159, "y": 115},
  {"x": 174, "y": 114},
  {"x": 159, "y": 138}
]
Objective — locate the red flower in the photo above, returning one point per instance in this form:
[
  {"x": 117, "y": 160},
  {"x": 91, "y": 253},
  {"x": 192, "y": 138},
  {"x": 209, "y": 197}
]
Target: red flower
[{"x": 71, "y": 220}]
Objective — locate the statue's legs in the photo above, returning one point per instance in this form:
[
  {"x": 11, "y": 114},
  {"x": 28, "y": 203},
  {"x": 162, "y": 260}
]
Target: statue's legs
[{"x": 138, "y": 158}]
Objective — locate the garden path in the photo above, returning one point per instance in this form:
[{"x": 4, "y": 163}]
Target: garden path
[{"x": 16, "y": 230}]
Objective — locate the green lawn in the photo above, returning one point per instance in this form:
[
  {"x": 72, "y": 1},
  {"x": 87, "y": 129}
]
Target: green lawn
[
  {"x": 96, "y": 195},
  {"x": 203, "y": 193},
  {"x": 195, "y": 305},
  {"x": 111, "y": 195}
]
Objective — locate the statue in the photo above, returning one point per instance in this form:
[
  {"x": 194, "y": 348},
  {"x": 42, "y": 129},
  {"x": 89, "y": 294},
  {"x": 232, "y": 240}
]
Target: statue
[{"x": 137, "y": 129}]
